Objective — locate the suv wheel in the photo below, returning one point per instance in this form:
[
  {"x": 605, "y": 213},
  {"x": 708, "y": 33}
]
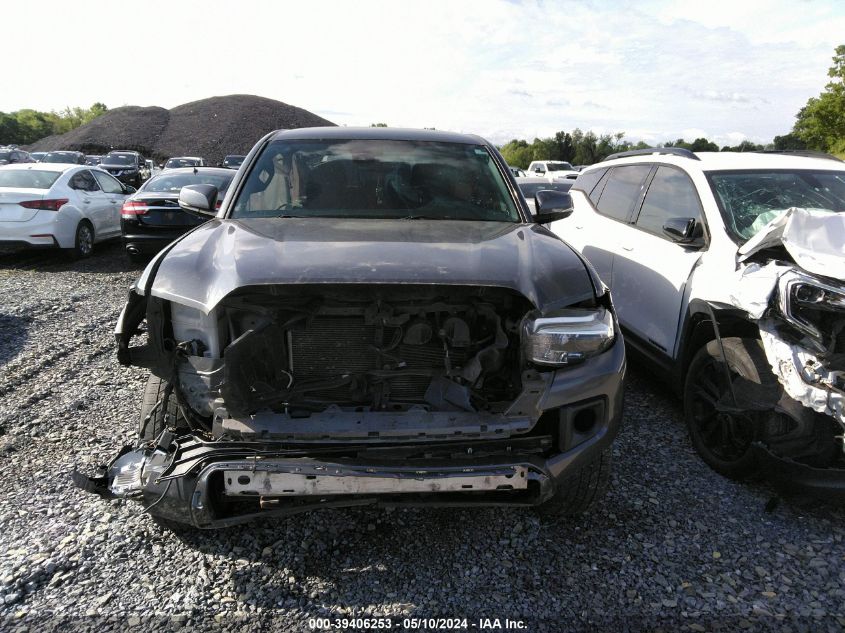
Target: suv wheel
[
  {"x": 577, "y": 492},
  {"x": 721, "y": 433}
]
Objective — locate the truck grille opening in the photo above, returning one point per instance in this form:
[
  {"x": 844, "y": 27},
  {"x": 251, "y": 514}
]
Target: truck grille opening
[{"x": 330, "y": 346}]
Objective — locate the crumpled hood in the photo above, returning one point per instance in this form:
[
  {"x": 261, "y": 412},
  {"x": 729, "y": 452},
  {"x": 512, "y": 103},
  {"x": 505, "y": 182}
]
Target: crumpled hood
[
  {"x": 815, "y": 238},
  {"x": 223, "y": 255}
]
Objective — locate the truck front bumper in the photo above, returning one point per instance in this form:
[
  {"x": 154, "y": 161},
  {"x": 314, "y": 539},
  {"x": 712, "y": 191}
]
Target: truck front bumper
[{"x": 213, "y": 484}]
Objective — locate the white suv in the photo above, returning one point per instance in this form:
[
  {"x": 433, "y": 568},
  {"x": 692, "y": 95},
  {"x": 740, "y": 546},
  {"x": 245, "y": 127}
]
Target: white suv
[
  {"x": 552, "y": 170},
  {"x": 737, "y": 256}
]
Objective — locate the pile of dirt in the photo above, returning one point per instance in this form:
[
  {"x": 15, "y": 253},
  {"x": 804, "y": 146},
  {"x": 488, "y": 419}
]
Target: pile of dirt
[{"x": 210, "y": 128}]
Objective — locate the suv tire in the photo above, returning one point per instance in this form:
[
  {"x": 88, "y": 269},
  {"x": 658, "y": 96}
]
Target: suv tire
[
  {"x": 724, "y": 440},
  {"x": 576, "y": 493}
]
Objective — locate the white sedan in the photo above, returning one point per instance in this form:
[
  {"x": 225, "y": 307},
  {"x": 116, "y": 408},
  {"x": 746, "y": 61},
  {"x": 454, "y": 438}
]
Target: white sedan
[{"x": 55, "y": 205}]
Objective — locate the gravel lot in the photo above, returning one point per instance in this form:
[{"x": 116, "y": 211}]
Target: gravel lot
[{"x": 673, "y": 545}]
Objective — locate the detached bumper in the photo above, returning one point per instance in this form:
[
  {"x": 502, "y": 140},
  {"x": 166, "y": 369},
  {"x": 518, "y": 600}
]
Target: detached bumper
[
  {"x": 791, "y": 476},
  {"x": 218, "y": 484}
]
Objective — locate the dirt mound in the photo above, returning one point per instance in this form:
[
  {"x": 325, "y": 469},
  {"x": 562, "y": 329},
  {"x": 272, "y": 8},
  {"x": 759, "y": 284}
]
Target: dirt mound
[
  {"x": 210, "y": 128},
  {"x": 214, "y": 127},
  {"x": 129, "y": 127}
]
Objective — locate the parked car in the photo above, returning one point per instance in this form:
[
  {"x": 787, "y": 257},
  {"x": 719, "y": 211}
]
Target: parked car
[
  {"x": 184, "y": 161},
  {"x": 152, "y": 218},
  {"x": 69, "y": 158},
  {"x": 552, "y": 170},
  {"x": 233, "y": 161},
  {"x": 728, "y": 273},
  {"x": 127, "y": 166},
  {"x": 12, "y": 156},
  {"x": 530, "y": 186},
  {"x": 364, "y": 323},
  {"x": 93, "y": 159},
  {"x": 37, "y": 156},
  {"x": 517, "y": 172},
  {"x": 56, "y": 205}
]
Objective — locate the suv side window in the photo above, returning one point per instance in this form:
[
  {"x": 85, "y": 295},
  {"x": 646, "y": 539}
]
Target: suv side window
[
  {"x": 587, "y": 181},
  {"x": 84, "y": 181},
  {"x": 108, "y": 184},
  {"x": 671, "y": 194},
  {"x": 622, "y": 191}
]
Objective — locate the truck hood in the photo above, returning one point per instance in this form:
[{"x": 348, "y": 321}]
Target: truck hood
[
  {"x": 221, "y": 256},
  {"x": 812, "y": 237}
]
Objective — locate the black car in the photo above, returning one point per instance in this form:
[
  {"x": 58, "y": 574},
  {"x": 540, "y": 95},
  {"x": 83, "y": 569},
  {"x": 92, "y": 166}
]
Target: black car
[
  {"x": 128, "y": 167},
  {"x": 372, "y": 318},
  {"x": 73, "y": 158},
  {"x": 13, "y": 156},
  {"x": 152, "y": 218},
  {"x": 233, "y": 161},
  {"x": 93, "y": 159}
]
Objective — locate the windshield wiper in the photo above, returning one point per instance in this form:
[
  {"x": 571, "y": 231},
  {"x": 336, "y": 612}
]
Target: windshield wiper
[{"x": 425, "y": 217}]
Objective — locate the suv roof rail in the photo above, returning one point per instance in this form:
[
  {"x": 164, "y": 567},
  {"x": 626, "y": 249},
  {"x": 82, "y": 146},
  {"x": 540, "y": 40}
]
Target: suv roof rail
[
  {"x": 809, "y": 153},
  {"x": 675, "y": 151}
]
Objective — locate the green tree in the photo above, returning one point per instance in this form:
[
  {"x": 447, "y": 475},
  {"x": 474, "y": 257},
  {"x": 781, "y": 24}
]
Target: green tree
[
  {"x": 564, "y": 146},
  {"x": 789, "y": 141},
  {"x": 703, "y": 145},
  {"x": 27, "y": 126},
  {"x": 517, "y": 153},
  {"x": 821, "y": 123},
  {"x": 33, "y": 125}
]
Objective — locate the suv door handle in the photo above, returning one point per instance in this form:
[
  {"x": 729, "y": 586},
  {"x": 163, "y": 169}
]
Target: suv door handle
[{"x": 627, "y": 248}]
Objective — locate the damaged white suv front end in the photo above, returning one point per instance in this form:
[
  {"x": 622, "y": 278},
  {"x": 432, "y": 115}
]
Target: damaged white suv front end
[
  {"x": 728, "y": 275},
  {"x": 800, "y": 307}
]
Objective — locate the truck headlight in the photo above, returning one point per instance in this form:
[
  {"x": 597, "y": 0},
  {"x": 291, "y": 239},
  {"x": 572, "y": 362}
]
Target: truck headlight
[{"x": 568, "y": 337}]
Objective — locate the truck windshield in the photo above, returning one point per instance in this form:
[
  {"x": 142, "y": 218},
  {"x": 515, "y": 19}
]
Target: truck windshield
[
  {"x": 560, "y": 167},
  {"x": 750, "y": 199},
  {"x": 366, "y": 178}
]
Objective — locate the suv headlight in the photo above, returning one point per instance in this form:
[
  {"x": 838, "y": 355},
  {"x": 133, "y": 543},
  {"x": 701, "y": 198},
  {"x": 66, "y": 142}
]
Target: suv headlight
[
  {"x": 568, "y": 337},
  {"x": 811, "y": 304}
]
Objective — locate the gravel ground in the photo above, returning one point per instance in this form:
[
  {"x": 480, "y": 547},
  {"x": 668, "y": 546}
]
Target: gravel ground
[{"x": 672, "y": 546}]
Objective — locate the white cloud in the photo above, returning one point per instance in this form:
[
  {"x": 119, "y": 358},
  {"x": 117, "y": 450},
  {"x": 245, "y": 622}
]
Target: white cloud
[{"x": 500, "y": 69}]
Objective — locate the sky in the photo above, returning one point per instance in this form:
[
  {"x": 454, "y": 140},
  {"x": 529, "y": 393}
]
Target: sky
[{"x": 655, "y": 70}]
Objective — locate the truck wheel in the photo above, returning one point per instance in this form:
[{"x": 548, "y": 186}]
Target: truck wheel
[
  {"x": 577, "y": 492},
  {"x": 721, "y": 436},
  {"x": 154, "y": 391}
]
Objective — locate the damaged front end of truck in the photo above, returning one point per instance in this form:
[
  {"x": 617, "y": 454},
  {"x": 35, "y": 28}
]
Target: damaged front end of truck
[
  {"x": 791, "y": 283},
  {"x": 283, "y": 398}
]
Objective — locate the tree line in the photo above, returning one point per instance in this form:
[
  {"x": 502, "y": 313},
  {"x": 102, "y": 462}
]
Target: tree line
[
  {"x": 27, "y": 126},
  {"x": 585, "y": 148}
]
